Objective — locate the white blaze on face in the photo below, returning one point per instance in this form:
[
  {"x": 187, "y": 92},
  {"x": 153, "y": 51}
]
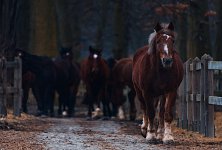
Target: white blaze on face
[
  {"x": 95, "y": 56},
  {"x": 165, "y": 45},
  {"x": 166, "y": 36},
  {"x": 67, "y": 54},
  {"x": 165, "y": 48}
]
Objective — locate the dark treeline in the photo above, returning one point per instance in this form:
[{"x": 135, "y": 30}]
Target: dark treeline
[{"x": 119, "y": 27}]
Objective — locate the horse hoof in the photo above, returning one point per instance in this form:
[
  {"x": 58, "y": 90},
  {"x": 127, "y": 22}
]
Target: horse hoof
[
  {"x": 159, "y": 141},
  {"x": 105, "y": 118},
  {"x": 88, "y": 118},
  {"x": 151, "y": 138},
  {"x": 96, "y": 117},
  {"x": 64, "y": 113},
  {"x": 43, "y": 116},
  {"x": 168, "y": 142},
  {"x": 168, "y": 139},
  {"x": 143, "y": 132}
]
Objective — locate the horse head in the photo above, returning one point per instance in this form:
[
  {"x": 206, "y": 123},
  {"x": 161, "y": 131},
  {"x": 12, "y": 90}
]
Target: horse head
[
  {"x": 161, "y": 42},
  {"x": 66, "y": 53},
  {"x": 95, "y": 58}
]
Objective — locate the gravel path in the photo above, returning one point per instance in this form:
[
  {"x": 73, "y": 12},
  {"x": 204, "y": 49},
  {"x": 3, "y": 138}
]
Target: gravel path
[{"x": 69, "y": 134}]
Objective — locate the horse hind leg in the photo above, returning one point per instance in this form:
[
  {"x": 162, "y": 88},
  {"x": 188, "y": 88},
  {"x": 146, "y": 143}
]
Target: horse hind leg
[
  {"x": 131, "y": 96},
  {"x": 143, "y": 107}
]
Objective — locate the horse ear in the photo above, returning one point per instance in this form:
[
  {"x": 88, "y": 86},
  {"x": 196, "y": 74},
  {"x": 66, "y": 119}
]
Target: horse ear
[
  {"x": 171, "y": 26},
  {"x": 100, "y": 50},
  {"x": 158, "y": 27},
  {"x": 90, "y": 49}
]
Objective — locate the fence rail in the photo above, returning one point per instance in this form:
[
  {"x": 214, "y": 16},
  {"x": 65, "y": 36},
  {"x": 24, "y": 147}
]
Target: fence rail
[
  {"x": 10, "y": 84},
  {"x": 197, "y": 101}
]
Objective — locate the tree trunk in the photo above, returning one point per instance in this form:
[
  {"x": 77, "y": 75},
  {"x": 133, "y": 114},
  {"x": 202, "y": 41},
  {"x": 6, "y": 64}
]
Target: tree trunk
[
  {"x": 121, "y": 30},
  {"x": 43, "y": 28}
]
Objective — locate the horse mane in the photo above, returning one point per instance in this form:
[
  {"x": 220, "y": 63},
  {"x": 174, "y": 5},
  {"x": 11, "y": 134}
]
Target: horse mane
[{"x": 151, "y": 42}]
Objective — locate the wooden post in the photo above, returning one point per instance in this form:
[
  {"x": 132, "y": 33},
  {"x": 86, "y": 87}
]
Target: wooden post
[
  {"x": 202, "y": 94},
  {"x": 210, "y": 108},
  {"x": 184, "y": 104},
  {"x": 188, "y": 92},
  {"x": 3, "y": 111},
  {"x": 179, "y": 104},
  {"x": 207, "y": 111},
  {"x": 195, "y": 91}
]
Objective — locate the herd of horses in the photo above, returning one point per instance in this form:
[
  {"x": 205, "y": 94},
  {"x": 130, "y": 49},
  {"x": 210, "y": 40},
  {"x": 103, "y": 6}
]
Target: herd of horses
[{"x": 153, "y": 75}]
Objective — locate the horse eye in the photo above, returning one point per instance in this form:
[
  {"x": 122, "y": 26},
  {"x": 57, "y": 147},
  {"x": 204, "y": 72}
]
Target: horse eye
[{"x": 95, "y": 56}]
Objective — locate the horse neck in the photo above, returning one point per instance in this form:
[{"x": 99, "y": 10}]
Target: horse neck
[{"x": 154, "y": 62}]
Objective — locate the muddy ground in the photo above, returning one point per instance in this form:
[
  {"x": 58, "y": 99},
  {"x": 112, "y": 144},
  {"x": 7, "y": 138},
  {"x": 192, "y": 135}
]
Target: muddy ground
[{"x": 33, "y": 133}]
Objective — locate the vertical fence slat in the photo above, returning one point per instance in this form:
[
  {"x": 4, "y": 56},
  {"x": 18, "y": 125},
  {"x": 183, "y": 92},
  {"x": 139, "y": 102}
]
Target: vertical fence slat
[
  {"x": 202, "y": 94},
  {"x": 210, "y": 108},
  {"x": 4, "y": 84},
  {"x": 3, "y": 111},
  {"x": 184, "y": 103},
  {"x": 188, "y": 92},
  {"x": 179, "y": 104},
  {"x": 195, "y": 86}
]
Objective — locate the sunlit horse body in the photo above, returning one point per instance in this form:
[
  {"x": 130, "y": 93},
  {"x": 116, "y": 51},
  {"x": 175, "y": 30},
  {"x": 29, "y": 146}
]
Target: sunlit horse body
[
  {"x": 122, "y": 77},
  {"x": 67, "y": 81},
  {"x": 95, "y": 74},
  {"x": 44, "y": 71},
  {"x": 157, "y": 73}
]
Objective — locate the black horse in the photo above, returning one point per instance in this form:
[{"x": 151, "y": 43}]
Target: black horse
[
  {"x": 67, "y": 81},
  {"x": 43, "y": 69}
]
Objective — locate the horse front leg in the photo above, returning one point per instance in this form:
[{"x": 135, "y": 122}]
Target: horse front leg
[
  {"x": 151, "y": 132},
  {"x": 168, "y": 117},
  {"x": 97, "y": 113},
  {"x": 161, "y": 105}
]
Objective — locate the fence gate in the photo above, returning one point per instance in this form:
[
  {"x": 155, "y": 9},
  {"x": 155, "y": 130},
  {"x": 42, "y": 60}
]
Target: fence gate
[
  {"x": 197, "y": 95},
  {"x": 8, "y": 70}
]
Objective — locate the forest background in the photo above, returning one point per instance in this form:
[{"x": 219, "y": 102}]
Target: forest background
[{"x": 119, "y": 27}]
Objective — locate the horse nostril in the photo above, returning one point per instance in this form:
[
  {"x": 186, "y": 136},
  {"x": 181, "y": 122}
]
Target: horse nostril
[{"x": 167, "y": 61}]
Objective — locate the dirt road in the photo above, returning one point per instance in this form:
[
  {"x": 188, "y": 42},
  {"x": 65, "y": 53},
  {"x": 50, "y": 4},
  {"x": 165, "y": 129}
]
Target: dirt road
[{"x": 77, "y": 133}]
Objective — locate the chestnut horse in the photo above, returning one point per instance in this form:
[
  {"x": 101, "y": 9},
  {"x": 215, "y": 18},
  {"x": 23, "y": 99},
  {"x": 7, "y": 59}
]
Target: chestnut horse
[
  {"x": 157, "y": 74},
  {"x": 122, "y": 77},
  {"x": 95, "y": 75}
]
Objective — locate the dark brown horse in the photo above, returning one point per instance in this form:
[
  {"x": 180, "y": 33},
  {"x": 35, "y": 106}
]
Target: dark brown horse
[
  {"x": 43, "y": 69},
  {"x": 67, "y": 81},
  {"x": 157, "y": 73},
  {"x": 122, "y": 77},
  {"x": 95, "y": 74}
]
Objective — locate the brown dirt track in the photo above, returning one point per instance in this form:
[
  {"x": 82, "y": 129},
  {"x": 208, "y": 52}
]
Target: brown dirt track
[{"x": 23, "y": 133}]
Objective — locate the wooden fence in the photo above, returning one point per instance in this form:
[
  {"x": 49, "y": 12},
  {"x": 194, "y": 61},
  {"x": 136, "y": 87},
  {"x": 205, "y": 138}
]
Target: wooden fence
[
  {"x": 197, "y": 99},
  {"x": 10, "y": 85}
]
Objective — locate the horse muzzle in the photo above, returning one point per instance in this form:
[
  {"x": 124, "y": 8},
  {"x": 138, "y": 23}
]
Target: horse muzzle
[{"x": 167, "y": 62}]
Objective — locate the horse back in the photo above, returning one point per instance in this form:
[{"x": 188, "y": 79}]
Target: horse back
[{"x": 122, "y": 71}]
